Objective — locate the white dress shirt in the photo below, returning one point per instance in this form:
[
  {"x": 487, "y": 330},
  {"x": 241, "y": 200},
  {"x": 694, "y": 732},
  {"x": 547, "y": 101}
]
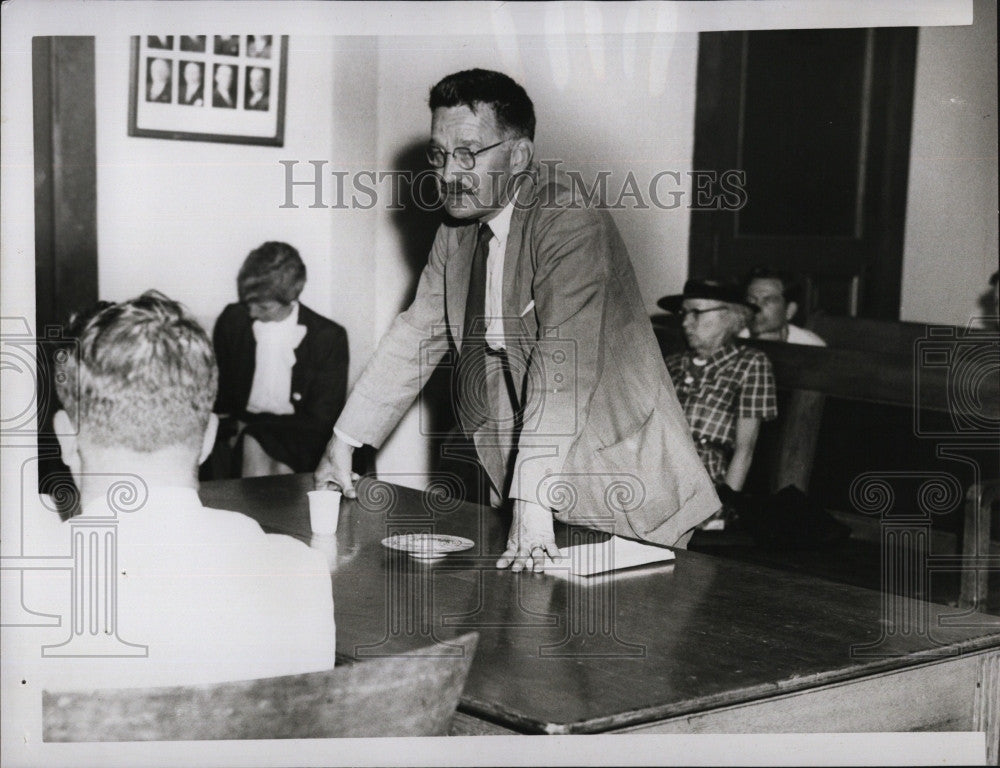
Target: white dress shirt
[
  {"x": 500, "y": 226},
  {"x": 796, "y": 335}
]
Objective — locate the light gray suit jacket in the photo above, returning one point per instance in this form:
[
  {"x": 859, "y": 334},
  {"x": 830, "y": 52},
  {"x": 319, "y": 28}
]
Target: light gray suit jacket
[{"x": 604, "y": 442}]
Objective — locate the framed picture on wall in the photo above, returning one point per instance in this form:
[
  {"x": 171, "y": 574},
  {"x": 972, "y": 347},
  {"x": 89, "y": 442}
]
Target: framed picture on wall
[{"x": 228, "y": 88}]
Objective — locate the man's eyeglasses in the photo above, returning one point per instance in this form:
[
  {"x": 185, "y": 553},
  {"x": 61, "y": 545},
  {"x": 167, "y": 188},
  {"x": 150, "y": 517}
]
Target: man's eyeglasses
[
  {"x": 697, "y": 313},
  {"x": 464, "y": 156}
]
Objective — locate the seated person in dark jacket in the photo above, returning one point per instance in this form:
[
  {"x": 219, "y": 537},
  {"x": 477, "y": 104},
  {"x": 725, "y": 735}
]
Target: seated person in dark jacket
[
  {"x": 726, "y": 390},
  {"x": 282, "y": 367}
]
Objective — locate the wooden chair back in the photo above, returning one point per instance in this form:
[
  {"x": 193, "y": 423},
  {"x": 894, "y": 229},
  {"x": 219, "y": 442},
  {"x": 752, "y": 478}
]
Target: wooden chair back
[
  {"x": 412, "y": 694},
  {"x": 867, "y": 333}
]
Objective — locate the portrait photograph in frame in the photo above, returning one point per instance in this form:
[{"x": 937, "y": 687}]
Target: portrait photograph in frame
[{"x": 225, "y": 88}]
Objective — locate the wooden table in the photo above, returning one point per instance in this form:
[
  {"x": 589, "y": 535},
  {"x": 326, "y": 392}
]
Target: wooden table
[{"x": 700, "y": 645}]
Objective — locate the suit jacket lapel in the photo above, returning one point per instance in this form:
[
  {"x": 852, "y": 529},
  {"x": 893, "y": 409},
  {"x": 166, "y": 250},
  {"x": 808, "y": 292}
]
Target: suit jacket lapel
[
  {"x": 300, "y": 350},
  {"x": 518, "y": 329},
  {"x": 248, "y": 361},
  {"x": 514, "y": 329}
]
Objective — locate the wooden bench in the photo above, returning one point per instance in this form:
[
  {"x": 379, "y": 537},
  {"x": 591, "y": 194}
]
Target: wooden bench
[
  {"x": 411, "y": 694},
  {"x": 942, "y": 370}
]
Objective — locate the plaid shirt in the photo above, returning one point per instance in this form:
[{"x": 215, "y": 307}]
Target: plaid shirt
[{"x": 735, "y": 382}]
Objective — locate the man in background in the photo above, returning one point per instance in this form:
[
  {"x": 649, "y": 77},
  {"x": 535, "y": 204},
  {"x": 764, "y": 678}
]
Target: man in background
[
  {"x": 210, "y": 595},
  {"x": 158, "y": 84},
  {"x": 259, "y": 46},
  {"x": 778, "y": 297},
  {"x": 193, "y": 93},
  {"x": 257, "y": 89},
  {"x": 223, "y": 96}
]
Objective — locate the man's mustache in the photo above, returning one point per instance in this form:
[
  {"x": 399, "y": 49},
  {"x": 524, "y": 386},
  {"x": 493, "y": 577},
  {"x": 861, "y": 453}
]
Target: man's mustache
[{"x": 454, "y": 188}]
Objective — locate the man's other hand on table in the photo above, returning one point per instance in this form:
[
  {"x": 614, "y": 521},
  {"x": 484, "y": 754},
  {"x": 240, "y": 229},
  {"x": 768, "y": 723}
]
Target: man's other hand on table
[{"x": 531, "y": 538}]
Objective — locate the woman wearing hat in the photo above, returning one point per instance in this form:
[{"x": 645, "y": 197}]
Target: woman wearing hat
[{"x": 726, "y": 390}]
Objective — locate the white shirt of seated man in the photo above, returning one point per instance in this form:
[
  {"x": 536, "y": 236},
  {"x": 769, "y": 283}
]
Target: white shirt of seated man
[{"x": 210, "y": 595}]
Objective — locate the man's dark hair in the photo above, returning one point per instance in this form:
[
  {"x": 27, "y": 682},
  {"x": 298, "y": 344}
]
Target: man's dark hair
[
  {"x": 513, "y": 109},
  {"x": 272, "y": 272},
  {"x": 792, "y": 285}
]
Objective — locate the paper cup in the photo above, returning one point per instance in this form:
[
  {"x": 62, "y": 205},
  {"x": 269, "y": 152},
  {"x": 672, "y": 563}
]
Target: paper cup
[{"x": 324, "y": 510}]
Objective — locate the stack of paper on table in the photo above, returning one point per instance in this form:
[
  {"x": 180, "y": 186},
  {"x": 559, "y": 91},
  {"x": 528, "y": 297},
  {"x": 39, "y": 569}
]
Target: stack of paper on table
[{"x": 613, "y": 554}]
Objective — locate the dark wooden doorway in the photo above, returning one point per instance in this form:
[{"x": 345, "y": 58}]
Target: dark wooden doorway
[
  {"x": 819, "y": 122},
  {"x": 65, "y": 214}
]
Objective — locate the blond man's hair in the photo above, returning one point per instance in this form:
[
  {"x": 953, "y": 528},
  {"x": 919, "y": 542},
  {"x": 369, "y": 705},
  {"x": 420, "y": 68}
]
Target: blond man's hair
[{"x": 140, "y": 375}]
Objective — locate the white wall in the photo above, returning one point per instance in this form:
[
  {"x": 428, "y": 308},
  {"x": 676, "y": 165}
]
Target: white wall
[
  {"x": 181, "y": 216},
  {"x": 951, "y": 215}
]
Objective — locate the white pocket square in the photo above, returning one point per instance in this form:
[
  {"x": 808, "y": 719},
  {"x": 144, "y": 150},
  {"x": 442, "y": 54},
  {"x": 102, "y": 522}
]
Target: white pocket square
[{"x": 527, "y": 309}]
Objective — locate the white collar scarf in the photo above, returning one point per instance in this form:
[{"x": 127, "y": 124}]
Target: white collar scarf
[{"x": 272, "y": 378}]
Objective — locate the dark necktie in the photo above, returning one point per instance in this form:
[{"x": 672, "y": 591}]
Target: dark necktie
[{"x": 472, "y": 405}]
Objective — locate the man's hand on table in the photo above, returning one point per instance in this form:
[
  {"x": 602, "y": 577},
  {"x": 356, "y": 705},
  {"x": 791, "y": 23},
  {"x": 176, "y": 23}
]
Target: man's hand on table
[
  {"x": 531, "y": 537},
  {"x": 334, "y": 470}
]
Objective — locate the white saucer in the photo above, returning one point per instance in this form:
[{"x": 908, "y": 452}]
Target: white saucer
[{"x": 428, "y": 547}]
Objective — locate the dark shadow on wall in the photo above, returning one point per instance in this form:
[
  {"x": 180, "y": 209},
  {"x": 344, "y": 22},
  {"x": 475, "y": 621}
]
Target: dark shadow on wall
[
  {"x": 414, "y": 208},
  {"x": 416, "y": 215}
]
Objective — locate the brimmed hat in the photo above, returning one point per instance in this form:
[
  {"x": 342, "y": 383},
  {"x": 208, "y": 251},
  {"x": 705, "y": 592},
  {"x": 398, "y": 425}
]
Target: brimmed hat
[{"x": 730, "y": 293}]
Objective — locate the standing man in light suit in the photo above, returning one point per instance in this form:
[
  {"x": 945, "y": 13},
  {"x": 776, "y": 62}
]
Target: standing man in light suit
[{"x": 560, "y": 383}]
